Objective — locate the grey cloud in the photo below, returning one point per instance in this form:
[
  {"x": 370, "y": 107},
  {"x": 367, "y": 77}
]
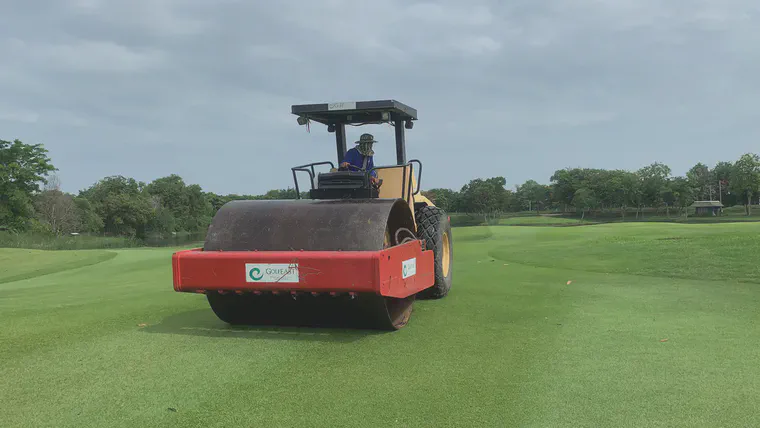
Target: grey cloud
[{"x": 152, "y": 87}]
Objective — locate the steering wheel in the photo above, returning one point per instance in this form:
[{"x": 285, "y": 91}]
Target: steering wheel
[{"x": 377, "y": 184}]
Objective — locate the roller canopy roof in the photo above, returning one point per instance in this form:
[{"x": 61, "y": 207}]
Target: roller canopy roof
[{"x": 356, "y": 112}]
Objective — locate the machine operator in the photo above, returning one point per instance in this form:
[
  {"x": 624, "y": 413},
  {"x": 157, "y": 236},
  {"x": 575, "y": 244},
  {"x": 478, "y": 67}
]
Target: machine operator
[{"x": 359, "y": 158}]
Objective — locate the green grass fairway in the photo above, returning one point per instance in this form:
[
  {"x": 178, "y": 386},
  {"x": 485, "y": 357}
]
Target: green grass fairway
[
  {"x": 22, "y": 264},
  {"x": 620, "y": 325},
  {"x": 540, "y": 221}
]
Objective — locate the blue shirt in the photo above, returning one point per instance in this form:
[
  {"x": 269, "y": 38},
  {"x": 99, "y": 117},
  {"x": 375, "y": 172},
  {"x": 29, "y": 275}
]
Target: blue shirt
[{"x": 357, "y": 159}]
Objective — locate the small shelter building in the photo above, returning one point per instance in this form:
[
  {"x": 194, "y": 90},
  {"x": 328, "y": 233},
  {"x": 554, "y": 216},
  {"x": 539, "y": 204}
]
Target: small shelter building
[{"x": 706, "y": 208}]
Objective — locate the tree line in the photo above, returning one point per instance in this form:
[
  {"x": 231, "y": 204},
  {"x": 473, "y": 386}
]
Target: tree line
[
  {"x": 31, "y": 199},
  {"x": 583, "y": 190}
]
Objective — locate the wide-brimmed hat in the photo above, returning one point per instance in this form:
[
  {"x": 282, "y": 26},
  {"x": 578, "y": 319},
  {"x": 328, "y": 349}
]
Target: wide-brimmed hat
[{"x": 366, "y": 138}]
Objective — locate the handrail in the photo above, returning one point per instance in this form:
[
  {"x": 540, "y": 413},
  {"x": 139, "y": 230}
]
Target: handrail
[
  {"x": 310, "y": 171},
  {"x": 419, "y": 176},
  {"x": 295, "y": 179},
  {"x": 312, "y": 165}
]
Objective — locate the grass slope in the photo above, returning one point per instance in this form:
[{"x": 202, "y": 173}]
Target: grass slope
[
  {"x": 633, "y": 340},
  {"x": 16, "y": 265},
  {"x": 714, "y": 252},
  {"x": 539, "y": 221},
  {"x": 51, "y": 242}
]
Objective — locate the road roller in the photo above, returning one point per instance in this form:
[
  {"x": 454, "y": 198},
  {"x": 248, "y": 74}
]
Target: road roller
[{"x": 351, "y": 251}]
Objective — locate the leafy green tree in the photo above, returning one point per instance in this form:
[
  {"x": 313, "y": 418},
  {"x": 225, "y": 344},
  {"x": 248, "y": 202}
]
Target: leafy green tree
[
  {"x": 722, "y": 176},
  {"x": 446, "y": 199},
  {"x": 162, "y": 221},
  {"x": 565, "y": 182},
  {"x": 702, "y": 180},
  {"x": 722, "y": 171},
  {"x": 216, "y": 201},
  {"x": 484, "y": 197},
  {"x": 289, "y": 193},
  {"x": 667, "y": 196},
  {"x": 533, "y": 195},
  {"x": 177, "y": 206},
  {"x": 199, "y": 209},
  {"x": 585, "y": 200},
  {"x": 123, "y": 205},
  {"x": 511, "y": 202},
  {"x": 683, "y": 192},
  {"x": 89, "y": 220},
  {"x": 170, "y": 192},
  {"x": 23, "y": 167},
  {"x": 607, "y": 186},
  {"x": 653, "y": 181},
  {"x": 632, "y": 192},
  {"x": 745, "y": 178}
]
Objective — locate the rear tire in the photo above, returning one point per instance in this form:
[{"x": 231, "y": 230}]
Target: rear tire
[{"x": 434, "y": 227}]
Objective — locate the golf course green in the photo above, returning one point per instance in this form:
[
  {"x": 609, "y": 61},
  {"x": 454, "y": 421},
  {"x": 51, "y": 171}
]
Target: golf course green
[{"x": 621, "y": 325}]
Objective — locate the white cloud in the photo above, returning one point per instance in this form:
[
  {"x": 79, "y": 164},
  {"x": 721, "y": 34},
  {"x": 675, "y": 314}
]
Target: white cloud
[
  {"x": 11, "y": 114},
  {"x": 159, "y": 17},
  {"x": 275, "y": 52},
  {"x": 448, "y": 14},
  {"x": 88, "y": 56},
  {"x": 85, "y": 6},
  {"x": 63, "y": 117},
  {"x": 476, "y": 45},
  {"x": 579, "y": 118},
  {"x": 553, "y": 115}
]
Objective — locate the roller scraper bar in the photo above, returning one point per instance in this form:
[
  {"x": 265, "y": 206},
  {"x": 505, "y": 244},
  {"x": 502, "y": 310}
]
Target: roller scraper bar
[{"x": 398, "y": 271}]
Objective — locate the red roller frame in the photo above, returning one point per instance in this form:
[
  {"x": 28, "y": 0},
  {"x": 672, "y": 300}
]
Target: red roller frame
[{"x": 318, "y": 271}]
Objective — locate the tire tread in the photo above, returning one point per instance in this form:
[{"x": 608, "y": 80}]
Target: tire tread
[{"x": 430, "y": 220}]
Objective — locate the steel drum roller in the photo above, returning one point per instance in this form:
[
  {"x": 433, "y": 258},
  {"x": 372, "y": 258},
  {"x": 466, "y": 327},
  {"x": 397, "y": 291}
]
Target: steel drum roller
[{"x": 311, "y": 225}]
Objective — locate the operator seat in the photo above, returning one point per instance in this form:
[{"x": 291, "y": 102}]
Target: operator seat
[{"x": 343, "y": 185}]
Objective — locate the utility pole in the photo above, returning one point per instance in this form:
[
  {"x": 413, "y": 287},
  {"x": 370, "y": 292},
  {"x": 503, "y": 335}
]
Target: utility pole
[{"x": 720, "y": 191}]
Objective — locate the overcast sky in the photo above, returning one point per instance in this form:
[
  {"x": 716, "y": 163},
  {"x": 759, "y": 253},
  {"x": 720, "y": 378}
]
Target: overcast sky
[{"x": 520, "y": 88}]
